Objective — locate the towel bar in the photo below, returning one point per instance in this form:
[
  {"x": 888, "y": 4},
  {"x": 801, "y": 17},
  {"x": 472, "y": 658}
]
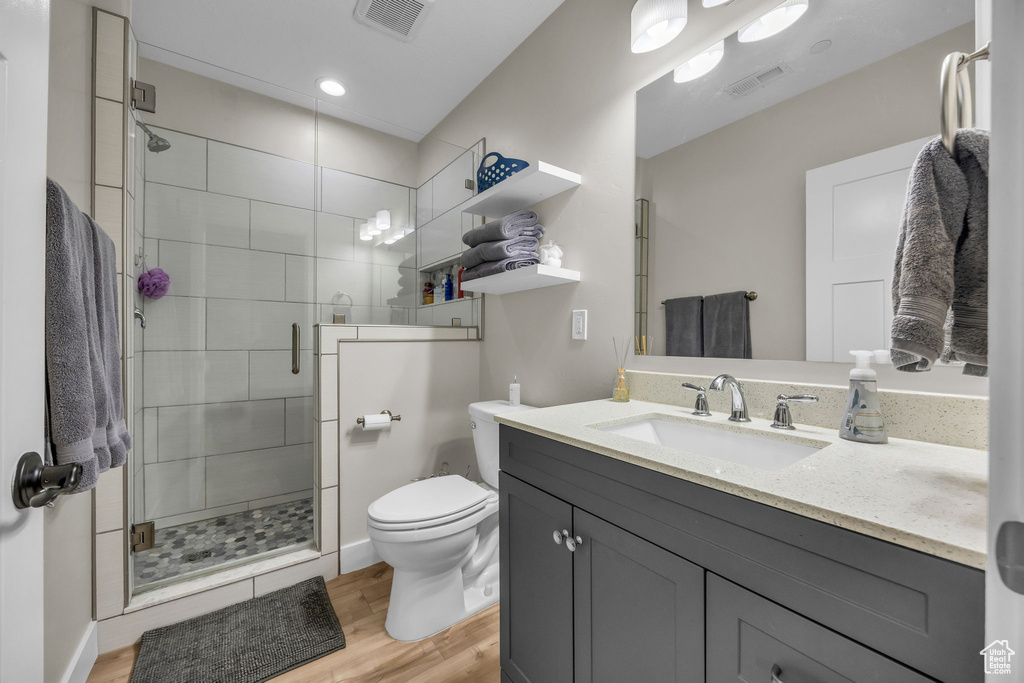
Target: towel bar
[
  {"x": 751, "y": 296},
  {"x": 955, "y": 92}
]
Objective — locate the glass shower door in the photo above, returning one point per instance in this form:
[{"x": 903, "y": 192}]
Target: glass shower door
[{"x": 226, "y": 400}]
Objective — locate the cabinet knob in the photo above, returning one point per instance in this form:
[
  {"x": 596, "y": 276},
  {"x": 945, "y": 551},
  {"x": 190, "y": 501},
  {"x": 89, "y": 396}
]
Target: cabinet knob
[
  {"x": 573, "y": 543},
  {"x": 776, "y": 674},
  {"x": 557, "y": 536}
]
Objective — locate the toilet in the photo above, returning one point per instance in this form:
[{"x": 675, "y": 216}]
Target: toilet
[{"x": 441, "y": 537}]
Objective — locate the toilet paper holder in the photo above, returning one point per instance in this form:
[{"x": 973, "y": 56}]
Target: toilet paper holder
[{"x": 394, "y": 418}]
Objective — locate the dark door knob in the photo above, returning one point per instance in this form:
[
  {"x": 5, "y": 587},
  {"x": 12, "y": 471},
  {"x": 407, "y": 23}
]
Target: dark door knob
[{"x": 36, "y": 484}]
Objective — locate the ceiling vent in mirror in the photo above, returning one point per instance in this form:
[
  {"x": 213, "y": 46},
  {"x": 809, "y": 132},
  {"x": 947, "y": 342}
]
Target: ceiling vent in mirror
[
  {"x": 399, "y": 18},
  {"x": 747, "y": 85}
]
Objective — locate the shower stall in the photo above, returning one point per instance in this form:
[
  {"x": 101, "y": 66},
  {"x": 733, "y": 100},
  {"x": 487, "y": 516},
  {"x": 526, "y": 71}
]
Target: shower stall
[{"x": 264, "y": 230}]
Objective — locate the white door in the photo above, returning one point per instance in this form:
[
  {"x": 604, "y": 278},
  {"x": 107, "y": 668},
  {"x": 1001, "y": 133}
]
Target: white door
[
  {"x": 24, "y": 56},
  {"x": 853, "y": 221}
]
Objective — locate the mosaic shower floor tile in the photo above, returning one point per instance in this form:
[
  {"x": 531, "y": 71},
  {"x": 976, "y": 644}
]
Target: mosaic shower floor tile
[{"x": 197, "y": 547}]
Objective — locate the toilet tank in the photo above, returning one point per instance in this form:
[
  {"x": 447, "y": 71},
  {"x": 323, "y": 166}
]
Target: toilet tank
[{"x": 485, "y": 435}]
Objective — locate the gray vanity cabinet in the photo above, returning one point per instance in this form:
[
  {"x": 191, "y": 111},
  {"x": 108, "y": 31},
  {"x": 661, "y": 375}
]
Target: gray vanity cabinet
[
  {"x": 752, "y": 639},
  {"x": 536, "y": 585},
  {"x": 615, "y": 608},
  {"x": 673, "y": 581},
  {"x": 639, "y": 610}
]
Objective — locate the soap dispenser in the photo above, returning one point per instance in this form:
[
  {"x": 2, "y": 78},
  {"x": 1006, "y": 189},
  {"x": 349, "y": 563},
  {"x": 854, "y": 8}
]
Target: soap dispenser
[{"x": 862, "y": 420}]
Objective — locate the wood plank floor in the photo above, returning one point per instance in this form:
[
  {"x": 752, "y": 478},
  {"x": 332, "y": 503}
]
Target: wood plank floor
[{"x": 466, "y": 653}]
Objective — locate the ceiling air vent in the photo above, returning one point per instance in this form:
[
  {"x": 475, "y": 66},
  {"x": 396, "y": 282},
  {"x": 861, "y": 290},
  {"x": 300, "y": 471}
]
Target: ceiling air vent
[
  {"x": 398, "y": 18},
  {"x": 747, "y": 85}
]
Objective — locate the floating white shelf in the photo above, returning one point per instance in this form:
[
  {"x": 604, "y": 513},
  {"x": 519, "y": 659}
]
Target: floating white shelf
[
  {"x": 533, "y": 184},
  {"x": 522, "y": 279}
]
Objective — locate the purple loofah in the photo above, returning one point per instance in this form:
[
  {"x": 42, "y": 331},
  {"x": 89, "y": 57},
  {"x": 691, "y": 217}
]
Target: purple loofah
[{"x": 154, "y": 283}]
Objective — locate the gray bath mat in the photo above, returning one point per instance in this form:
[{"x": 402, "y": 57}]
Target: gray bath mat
[{"x": 245, "y": 643}]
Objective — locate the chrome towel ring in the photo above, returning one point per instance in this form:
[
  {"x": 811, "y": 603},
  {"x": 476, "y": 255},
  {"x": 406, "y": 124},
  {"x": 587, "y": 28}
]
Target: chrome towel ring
[{"x": 955, "y": 92}]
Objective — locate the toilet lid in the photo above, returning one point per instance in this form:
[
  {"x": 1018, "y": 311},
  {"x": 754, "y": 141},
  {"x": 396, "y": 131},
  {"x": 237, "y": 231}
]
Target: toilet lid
[{"x": 429, "y": 499}]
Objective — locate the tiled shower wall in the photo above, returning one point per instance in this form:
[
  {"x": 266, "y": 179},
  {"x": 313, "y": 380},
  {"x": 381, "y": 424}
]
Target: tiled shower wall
[{"x": 252, "y": 243}]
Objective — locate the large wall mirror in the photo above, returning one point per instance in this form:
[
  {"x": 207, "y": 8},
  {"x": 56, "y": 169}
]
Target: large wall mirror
[{"x": 782, "y": 172}]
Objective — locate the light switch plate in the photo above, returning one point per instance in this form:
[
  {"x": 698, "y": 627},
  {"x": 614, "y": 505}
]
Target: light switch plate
[{"x": 579, "y": 324}]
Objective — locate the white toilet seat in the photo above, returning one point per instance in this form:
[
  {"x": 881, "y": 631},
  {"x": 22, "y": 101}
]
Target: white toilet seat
[{"x": 383, "y": 532}]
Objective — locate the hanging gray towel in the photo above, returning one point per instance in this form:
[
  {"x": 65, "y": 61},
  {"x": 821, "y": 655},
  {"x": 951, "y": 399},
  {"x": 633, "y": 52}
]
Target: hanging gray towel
[
  {"x": 684, "y": 327},
  {"x": 727, "y": 325},
  {"x": 942, "y": 259},
  {"x": 105, "y": 270},
  {"x": 83, "y": 422}
]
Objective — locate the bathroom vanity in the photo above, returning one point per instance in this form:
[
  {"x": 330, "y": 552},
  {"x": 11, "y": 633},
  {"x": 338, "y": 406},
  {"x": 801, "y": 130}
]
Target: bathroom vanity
[{"x": 623, "y": 560}]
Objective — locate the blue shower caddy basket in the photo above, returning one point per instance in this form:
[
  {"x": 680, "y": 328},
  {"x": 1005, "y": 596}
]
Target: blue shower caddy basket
[{"x": 502, "y": 168}]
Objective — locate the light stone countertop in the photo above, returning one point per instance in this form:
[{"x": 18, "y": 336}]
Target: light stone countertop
[{"x": 927, "y": 497}]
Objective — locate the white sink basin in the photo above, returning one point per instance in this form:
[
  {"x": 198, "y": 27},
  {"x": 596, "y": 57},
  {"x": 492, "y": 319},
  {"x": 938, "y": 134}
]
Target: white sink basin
[{"x": 745, "y": 449}]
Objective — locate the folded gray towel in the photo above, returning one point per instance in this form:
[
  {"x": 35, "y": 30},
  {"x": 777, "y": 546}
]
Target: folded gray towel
[
  {"x": 499, "y": 251},
  {"x": 684, "y": 327},
  {"x": 727, "y": 325},
  {"x": 78, "y": 401},
  {"x": 495, "y": 267},
  {"x": 518, "y": 224},
  {"x": 105, "y": 271},
  {"x": 942, "y": 258}
]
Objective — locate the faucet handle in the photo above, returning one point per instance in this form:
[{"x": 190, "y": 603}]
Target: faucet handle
[
  {"x": 700, "y": 408},
  {"x": 783, "y": 417}
]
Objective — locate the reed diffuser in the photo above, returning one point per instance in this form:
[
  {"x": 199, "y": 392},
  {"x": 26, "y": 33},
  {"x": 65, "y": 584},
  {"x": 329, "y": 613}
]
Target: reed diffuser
[{"x": 620, "y": 394}]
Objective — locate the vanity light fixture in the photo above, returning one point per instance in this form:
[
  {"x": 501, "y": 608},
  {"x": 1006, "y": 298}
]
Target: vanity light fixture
[
  {"x": 331, "y": 87},
  {"x": 374, "y": 229},
  {"x": 701, "y": 64},
  {"x": 654, "y": 23},
  {"x": 383, "y": 220},
  {"x": 364, "y": 232},
  {"x": 773, "y": 21}
]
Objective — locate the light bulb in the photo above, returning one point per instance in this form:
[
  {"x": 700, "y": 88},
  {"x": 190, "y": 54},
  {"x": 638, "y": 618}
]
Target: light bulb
[
  {"x": 773, "y": 21},
  {"x": 383, "y": 220},
  {"x": 654, "y": 23},
  {"x": 701, "y": 64}
]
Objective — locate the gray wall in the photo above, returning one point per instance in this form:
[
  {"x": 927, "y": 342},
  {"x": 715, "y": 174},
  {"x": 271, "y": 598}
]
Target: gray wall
[{"x": 737, "y": 194}]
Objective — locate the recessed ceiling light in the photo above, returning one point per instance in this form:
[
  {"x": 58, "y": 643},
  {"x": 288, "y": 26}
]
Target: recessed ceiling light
[
  {"x": 773, "y": 21},
  {"x": 331, "y": 87},
  {"x": 697, "y": 66},
  {"x": 654, "y": 23}
]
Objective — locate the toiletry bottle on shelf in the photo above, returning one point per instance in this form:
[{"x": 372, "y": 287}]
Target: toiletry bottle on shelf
[
  {"x": 428, "y": 293},
  {"x": 439, "y": 290},
  {"x": 461, "y": 293},
  {"x": 513, "y": 391},
  {"x": 449, "y": 287},
  {"x": 862, "y": 420}
]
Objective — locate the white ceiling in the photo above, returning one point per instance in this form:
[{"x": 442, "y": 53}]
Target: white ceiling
[
  {"x": 862, "y": 32},
  {"x": 282, "y": 48}
]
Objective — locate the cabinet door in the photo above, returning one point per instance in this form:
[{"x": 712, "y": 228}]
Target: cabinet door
[
  {"x": 536, "y": 585},
  {"x": 750, "y": 638},
  {"x": 639, "y": 609}
]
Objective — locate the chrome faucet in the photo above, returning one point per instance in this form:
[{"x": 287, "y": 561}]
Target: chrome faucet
[{"x": 739, "y": 403}]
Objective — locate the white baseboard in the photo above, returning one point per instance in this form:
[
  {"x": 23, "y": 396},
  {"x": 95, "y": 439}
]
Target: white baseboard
[
  {"x": 84, "y": 658},
  {"x": 357, "y": 555}
]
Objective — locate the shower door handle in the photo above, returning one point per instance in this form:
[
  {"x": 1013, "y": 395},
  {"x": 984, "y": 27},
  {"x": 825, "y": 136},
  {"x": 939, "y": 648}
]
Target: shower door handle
[{"x": 296, "y": 338}]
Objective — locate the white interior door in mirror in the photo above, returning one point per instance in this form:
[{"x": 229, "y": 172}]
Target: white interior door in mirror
[{"x": 853, "y": 219}]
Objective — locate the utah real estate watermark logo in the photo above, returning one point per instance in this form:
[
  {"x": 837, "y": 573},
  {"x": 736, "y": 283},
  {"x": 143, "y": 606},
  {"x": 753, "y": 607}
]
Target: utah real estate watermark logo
[{"x": 997, "y": 657}]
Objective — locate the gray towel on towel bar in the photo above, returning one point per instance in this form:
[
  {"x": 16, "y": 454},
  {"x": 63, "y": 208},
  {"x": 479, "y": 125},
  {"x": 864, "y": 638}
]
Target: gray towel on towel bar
[
  {"x": 727, "y": 325},
  {"x": 499, "y": 251},
  {"x": 495, "y": 267},
  {"x": 518, "y": 224},
  {"x": 942, "y": 259},
  {"x": 684, "y": 332},
  {"x": 83, "y": 420}
]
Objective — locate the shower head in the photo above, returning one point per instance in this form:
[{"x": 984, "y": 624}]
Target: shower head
[{"x": 155, "y": 143}]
